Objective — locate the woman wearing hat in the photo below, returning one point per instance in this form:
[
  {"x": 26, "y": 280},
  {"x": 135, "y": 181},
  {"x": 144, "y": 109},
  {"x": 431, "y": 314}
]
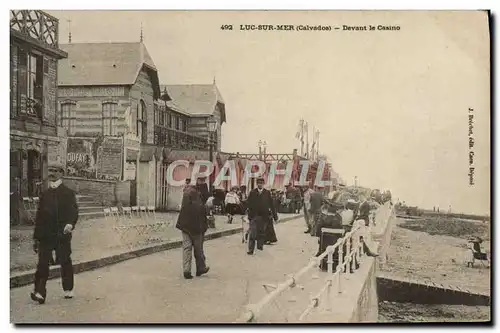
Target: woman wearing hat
[{"x": 232, "y": 202}]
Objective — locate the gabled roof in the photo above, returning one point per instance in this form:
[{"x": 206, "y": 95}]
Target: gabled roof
[
  {"x": 195, "y": 99},
  {"x": 105, "y": 64}
]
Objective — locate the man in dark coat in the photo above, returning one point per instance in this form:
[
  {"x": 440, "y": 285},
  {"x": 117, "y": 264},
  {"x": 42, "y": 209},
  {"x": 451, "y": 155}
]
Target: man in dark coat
[
  {"x": 260, "y": 209},
  {"x": 192, "y": 221},
  {"x": 364, "y": 211},
  {"x": 55, "y": 220},
  {"x": 316, "y": 201},
  {"x": 202, "y": 188}
]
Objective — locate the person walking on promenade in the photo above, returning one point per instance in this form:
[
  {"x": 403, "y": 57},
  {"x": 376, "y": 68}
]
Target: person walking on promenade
[
  {"x": 192, "y": 221},
  {"x": 316, "y": 201},
  {"x": 55, "y": 220},
  {"x": 202, "y": 188},
  {"x": 364, "y": 210},
  {"x": 260, "y": 210},
  {"x": 232, "y": 202},
  {"x": 307, "y": 207}
]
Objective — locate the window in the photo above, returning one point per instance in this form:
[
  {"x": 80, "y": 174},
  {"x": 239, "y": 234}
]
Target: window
[
  {"x": 109, "y": 118},
  {"x": 174, "y": 122},
  {"x": 178, "y": 123},
  {"x": 183, "y": 125},
  {"x": 169, "y": 120},
  {"x": 156, "y": 114},
  {"x": 162, "y": 117},
  {"x": 142, "y": 127},
  {"x": 30, "y": 84},
  {"x": 68, "y": 116}
]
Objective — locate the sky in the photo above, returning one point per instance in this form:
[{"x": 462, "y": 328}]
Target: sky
[{"x": 391, "y": 106}]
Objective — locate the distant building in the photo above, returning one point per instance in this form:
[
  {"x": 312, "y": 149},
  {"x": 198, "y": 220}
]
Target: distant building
[
  {"x": 196, "y": 103},
  {"x": 34, "y": 134}
]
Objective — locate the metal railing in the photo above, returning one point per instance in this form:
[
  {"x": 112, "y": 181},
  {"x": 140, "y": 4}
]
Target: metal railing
[
  {"x": 352, "y": 242},
  {"x": 346, "y": 264}
]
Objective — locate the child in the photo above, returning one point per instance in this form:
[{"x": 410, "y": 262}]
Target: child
[{"x": 232, "y": 202}]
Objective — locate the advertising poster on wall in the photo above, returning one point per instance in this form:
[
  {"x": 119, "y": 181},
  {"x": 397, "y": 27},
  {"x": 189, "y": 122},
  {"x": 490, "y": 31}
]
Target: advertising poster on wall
[
  {"x": 110, "y": 158},
  {"x": 81, "y": 157}
]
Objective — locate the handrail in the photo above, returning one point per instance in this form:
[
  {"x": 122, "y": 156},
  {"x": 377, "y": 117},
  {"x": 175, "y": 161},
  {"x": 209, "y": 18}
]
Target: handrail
[
  {"x": 254, "y": 310},
  {"x": 345, "y": 262}
]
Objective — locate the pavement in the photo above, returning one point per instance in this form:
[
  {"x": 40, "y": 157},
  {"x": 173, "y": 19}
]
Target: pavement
[
  {"x": 151, "y": 289},
  {"x": 100, "y": 237}
]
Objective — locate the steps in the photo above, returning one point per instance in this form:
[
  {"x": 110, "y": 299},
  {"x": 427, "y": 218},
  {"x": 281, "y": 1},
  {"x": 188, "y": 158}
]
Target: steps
[{"x": 88, "y": 208}]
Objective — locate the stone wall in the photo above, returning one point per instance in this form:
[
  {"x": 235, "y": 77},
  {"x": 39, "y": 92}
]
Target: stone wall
[
  {"x": 105, "y": 192},
  {"x": 421, "y": 292}
]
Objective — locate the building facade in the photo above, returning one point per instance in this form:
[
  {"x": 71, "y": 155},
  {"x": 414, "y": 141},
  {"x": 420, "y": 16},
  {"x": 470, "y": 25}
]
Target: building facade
[
  {"x": 200, "y": 102},
  {"x": 107, "y": 94},
  {"x": 34, "y": 135},
  {"x": 120, "y": 123}
]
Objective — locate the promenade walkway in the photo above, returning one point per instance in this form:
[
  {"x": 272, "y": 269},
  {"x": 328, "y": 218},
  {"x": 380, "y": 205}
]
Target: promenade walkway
[{"x": 151, "y": 289}]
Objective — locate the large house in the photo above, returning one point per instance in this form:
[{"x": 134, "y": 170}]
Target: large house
[
  {"x": 34, "y": 134},
  {"x": 122, "y": 125}
]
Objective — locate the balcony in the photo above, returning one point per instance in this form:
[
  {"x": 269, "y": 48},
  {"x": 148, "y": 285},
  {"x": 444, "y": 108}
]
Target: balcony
[
  {"x": 173, "y": 138},
  {"x": 36, "y": 27}
]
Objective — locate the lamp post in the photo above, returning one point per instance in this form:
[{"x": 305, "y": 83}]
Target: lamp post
[{"x": 212, "y": 127}]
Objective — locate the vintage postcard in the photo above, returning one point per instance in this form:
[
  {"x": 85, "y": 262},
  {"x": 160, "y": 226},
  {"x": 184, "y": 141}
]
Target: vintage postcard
[{"x": 249, "y": 166}]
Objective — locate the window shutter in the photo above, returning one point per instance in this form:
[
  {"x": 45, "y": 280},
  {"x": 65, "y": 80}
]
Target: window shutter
[
  {"x": 22, "y": 83},
  {"x": 14, "y": 64},
  {"x": 45, "y": 66},
  {"x": 42, "y": 82}
]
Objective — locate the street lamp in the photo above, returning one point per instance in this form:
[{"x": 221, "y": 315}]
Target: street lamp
[{"x": 212, "y": 127}]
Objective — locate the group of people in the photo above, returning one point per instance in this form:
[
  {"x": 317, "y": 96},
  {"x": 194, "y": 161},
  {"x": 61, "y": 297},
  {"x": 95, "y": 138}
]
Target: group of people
[
  {"x": 57, "y": 215},
  {"x": 335, "y": 212}
]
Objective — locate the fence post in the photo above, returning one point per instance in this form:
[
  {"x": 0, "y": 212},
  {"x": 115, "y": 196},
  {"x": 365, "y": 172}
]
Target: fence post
[
  {"x": 339, "y": 266},
  {"x": 360, "y": 237},
  {"x": 330, "y": 277},
  {"x": 349, "y": 252}
]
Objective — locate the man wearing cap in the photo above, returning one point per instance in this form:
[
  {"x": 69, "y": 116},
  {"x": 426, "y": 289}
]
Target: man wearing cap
[
  {"x": 192, "y": 221},
  {"x": 186, "y": 184},
  {"x": 316, "y": 201},
  {"x": 202, "y": 187},
  {"x": 55, "y": 220},
  {"x": 260, "y": 207},
  {"x": 364, "y": 210}
]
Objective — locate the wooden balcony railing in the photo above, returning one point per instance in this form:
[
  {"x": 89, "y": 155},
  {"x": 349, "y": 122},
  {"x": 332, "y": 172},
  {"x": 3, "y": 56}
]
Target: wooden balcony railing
[
  {"x": 177, "y": 139},
  {"x": 37, "y": 25}
]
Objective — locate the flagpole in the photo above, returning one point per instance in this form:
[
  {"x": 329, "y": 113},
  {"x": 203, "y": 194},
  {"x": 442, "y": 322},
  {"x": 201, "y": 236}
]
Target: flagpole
[
  {"x": 314, "y": 143},
  {"x": 317, "y": 145},
  {"x": 307, "y": 139},
  {"x": 302, "y": 137}
]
